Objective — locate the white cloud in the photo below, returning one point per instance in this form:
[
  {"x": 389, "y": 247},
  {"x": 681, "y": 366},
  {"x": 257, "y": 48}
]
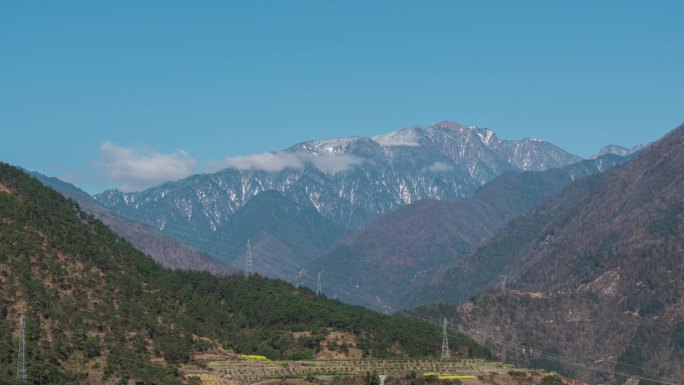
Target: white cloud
[
  {"x": 439, "y": 167},
  {"x": 135, "y": 168},
  {"x": 266, "y": 161},
  {"x": 334, "y": 163},
  {"x": 278, "y": 161}
]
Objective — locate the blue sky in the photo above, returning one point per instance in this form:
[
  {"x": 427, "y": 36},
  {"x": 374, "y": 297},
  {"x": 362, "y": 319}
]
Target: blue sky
[{"x": 186, "y": 83}]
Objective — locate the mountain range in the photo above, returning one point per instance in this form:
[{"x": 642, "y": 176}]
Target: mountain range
[
  {"x": 339, "y": 185},
  {"x": 347, "y": 181}
]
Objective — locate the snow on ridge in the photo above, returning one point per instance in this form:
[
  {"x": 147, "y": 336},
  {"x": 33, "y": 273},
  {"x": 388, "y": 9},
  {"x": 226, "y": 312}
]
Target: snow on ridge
[
  {"x": 486, "y": 135},
  {"x": 330, "y": 145},
  {"x": 406, "y": 137},
  {"x": 409, "y": 137}
]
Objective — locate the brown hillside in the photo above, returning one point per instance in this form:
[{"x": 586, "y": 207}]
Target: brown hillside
[
  {"x": 391, "y": 257},
  {"x": 608, "y": 255}
]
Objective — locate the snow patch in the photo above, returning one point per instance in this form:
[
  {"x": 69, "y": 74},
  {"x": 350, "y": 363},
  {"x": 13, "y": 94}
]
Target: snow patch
[
  {"x": 314, "y": 198},
  {"x": 330, "y": 146},
  {"x": 406, "y": 137},
  {"x": 486, "y": 136},
  {"x": 404, "y": 192}
]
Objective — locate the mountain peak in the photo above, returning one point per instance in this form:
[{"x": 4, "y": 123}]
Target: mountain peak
[
  {"x": 617, "y": 150},
  {"x": 449, "y": 124},
  {"x": 409, "y": 136},
  {"x": 413, "y": 136},
  {"x": 486, "y": 135}
]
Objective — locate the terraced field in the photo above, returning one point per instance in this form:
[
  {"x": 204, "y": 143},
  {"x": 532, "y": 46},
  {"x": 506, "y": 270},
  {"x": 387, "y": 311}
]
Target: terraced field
[{"x": 249, "y": 372}]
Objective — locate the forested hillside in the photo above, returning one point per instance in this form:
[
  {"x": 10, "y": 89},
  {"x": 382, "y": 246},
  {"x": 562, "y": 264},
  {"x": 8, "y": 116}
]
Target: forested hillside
[
  {"x": 166, "y": 251},
  {"x": 98, "y": 310}
]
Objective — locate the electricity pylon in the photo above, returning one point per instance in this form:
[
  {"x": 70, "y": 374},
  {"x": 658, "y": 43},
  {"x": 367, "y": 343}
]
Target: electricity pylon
[
  {"x": 22, "y": 374},
  {"x": 318, "y": 285},
  {"x": 248, "y": 259},
  {"x": 503, "y": 281},
  {"x": 445, "y": 342},
  {"x": 298, "y": 277}
]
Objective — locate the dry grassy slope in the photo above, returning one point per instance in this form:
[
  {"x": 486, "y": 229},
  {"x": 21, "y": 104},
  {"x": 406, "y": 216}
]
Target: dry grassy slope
[
  {"x": 485, "y": 265},
  {"x": 576, "y": 333},
  {"x": 611, "y": 267},
  {"x": 633, "y": 223}
]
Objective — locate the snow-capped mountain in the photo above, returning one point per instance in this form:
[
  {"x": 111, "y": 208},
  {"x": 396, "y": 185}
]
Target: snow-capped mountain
[{"x": 348, "y": 181}]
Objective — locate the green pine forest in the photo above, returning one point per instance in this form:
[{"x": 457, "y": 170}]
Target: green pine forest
[{"x": 99, "y": 311}]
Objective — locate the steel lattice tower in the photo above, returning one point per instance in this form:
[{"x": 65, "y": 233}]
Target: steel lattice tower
[
  {"x": 318, "y": 285},
  {"x": 445, "y": 342},
  {"x": 22, "y": 374},
  {"x": 298, "y": 277},
  {"x": 248, "y": 259}
]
